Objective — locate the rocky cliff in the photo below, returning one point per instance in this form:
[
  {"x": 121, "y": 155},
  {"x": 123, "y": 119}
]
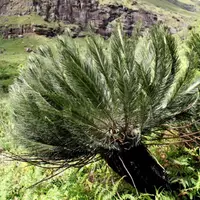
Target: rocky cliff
[
  {"x": 15, "y": 7},
  {"x": 80, "y": 13}
]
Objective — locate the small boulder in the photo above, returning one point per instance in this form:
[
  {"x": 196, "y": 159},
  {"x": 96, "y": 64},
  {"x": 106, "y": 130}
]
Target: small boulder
[
  {"x": 28, "y": 50},
  {"x": 20, "y": 36}
]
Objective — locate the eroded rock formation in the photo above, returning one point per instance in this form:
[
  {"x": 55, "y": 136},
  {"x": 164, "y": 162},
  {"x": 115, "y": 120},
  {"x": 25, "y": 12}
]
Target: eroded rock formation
[{"x": 82, "y": 13}]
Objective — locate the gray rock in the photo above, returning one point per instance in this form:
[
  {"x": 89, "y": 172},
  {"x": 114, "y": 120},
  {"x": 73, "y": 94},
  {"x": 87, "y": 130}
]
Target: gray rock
[
  {"x": 28, "y": 50},
  {"x": 20, "y": 36},
  {"x": 79, "y": 12}
]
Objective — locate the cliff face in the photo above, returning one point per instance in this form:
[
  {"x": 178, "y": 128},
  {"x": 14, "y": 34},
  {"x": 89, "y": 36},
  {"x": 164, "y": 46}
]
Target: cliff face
[
  {"x": 15, "y": 7},
  {"x": 79, "y": 12},
  {"x": 69, "y": 11}
]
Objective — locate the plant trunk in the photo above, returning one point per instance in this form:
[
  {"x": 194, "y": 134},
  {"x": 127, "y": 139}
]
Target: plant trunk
[{"x": 138, "y": 167}]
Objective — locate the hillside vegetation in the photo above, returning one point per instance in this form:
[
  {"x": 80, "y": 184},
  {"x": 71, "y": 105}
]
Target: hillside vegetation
[
  {"x": 14, "y": 54},
  {"x": 177, "y": 14},
  {"x": 97, "y": 181}
]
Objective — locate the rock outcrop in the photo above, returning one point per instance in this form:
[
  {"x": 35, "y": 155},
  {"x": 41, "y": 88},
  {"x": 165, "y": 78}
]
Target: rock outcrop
[
  {"x": 15, "y": 7},
  {"x": 82, "y": 13},
  {"x": 14, "y": 31},
  {"x": 89, "y": 12}
]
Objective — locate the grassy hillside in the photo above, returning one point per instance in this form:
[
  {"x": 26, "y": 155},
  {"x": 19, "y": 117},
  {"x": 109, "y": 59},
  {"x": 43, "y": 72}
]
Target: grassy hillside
[
  {"x": 162, "y": 4},
  {"x": 172, "y": 14},
  {"x": 33, "y": 18},
  {"x": 13, "y": 54},
  {"x": 175, "y": 7}
]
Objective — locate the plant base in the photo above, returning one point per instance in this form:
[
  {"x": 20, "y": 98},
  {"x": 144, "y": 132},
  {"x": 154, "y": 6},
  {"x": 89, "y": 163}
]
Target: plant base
[{"x": 138, "y": 167}]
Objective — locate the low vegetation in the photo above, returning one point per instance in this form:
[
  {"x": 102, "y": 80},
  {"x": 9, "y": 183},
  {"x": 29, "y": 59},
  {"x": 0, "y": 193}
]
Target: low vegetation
[
  {"x": 13, "y": 54},
  {"x": 32, "y": 19},
  {"x": 179, "y": 157},
  {"x": 175, "y": 146}
]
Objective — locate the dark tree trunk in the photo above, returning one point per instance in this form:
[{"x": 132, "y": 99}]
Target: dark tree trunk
[{"x": 140, "y": 169}]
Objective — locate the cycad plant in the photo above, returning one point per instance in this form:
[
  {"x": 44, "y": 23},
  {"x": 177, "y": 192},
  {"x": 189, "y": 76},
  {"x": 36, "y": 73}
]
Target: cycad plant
[{"x": 69, "y": 106}]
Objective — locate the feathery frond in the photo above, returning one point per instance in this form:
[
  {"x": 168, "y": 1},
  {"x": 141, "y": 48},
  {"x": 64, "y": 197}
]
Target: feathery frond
[{"x": 70, "y": 106}]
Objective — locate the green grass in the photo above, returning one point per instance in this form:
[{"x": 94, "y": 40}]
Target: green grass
[
  {"x": 96, "y": 181},
  {"x": 14, "y": 55},
  {"x": 166, "y": 5},
  {"x": 17, "y": 46},
  {"x": 17, "y": 177},
  {"x": 25, "y": 20},
  {"x": 190, "y": 2}
]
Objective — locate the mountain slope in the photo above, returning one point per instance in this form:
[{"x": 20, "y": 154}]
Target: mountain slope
[{"x": 76, "y": 15}]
